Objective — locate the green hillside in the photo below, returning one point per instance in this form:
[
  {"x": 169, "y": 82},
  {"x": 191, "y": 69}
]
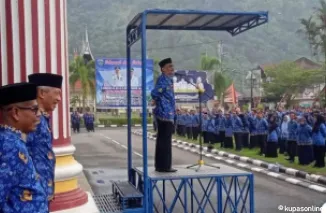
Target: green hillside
[{"x": 107, "y": 19}]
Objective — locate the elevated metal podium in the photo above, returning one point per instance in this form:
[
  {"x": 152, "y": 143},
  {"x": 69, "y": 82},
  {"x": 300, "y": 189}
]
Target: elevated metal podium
[{"x": 233, "y": 188}]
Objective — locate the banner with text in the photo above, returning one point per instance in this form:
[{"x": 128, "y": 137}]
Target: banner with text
[
  {"x": 185, "y": 86},
  {"x": 111, "y": 82}
]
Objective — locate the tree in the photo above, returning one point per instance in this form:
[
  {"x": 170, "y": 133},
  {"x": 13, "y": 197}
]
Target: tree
[
  {"x": 314, "y": 29},
  {"x": 85, "y": 73},
  {"x": 74, "y": 100},
  {"x": 209, "y": 63},
  {"x": 288, "y": 79},
  {"x": 218, "y": 78}
]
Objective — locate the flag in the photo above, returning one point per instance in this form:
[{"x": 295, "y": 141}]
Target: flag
[{"x": 231, "y": 95}]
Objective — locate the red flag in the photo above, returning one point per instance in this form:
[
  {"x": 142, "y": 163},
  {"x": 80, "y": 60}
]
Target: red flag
[{"x": 231, "y": 95}]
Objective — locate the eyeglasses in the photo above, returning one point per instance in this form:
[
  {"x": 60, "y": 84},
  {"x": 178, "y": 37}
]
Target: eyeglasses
[{"x": 33, "y": 109}]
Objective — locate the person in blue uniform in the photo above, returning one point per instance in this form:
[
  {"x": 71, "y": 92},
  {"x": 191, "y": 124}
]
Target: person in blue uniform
[
  {"x": 20, "y": 185},
  {"x": 182, "y": 123},
  {"x": 292, "y": 140},
  {"x": 262, "y": 130},
  {"x": 245, "y": 130},
  {"x": 39, "y": 143},
  {"x": 304, "y": 142},
  {"x": 91, "y": 120},
  {"x": 163, "y": 95},
  {"x": 217, "y": 126},
  {"x": 177, "y": 121},
  {"x": 318, "y": 140},
  {"x": 75, "y": 121},
  {"x": 221, "y": 127},
  {"x": 86, "y": 119},
  {"x": 237, "y": 130},
  {"x": 195, "y": 124},
  {"x": 188, "y": 121},
  {"x": 252, "y": 128},
  {"x": 229, "y": 126},
  {"x": 204, "y": 125},
  {"x": 211, "y": 131},
  {"x": 284, "y": 135},
  {"x": 272, "y": 138}
]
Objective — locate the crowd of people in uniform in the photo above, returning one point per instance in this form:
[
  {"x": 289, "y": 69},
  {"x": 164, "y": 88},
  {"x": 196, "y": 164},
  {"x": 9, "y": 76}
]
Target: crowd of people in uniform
[
  {"x": 88, "y": 119},
  {"x": 27, "y": 160},
  {"x": 294, "y": 133}
]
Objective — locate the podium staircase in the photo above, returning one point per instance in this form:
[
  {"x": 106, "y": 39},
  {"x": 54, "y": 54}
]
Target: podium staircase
[{"x": 125, "y": 198}]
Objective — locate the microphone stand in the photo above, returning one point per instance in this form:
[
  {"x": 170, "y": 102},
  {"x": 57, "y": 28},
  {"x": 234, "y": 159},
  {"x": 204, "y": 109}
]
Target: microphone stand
[{"x": 200, "y": 162}]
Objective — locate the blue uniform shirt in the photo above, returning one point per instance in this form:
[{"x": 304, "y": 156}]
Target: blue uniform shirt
[
  {"x": 211, "y": 125},
  {"x": 86, "y": 117},
  {"x": 75, "y": 119},
  {"x": 238, "y": 125},
  {"x": 163, "y": 95},
  {"x": 292, "y": 129},
  {"x": 204, "y": 124},
  {"x": 273, "y": 136},
  {"x": 20, "y": 186},
  {"x": 252, "y": 125},
  {"x": 195, "y": 120},
  {"x": 39, "y": 144},
  {"x": 304, "y": 134},
  {"x": 188, "y": 120},
  {"x": 318, "y": 137},
  {"x": 222, "y": 123},
  {"x": 229, "y": 126},
  {"x": 261, "y": 126}
]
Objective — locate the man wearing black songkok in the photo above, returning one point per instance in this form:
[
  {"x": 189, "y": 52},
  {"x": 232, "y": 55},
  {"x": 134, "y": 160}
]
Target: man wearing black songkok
[
  {"x": 40, "y": 141},
  {"x": 20, "y": 188},
  {"x": 163, "y": 96}
]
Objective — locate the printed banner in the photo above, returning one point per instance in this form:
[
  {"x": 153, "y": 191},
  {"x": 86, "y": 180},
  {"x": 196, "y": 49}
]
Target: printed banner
[
  {"x": 185, "y": 86},
  {"x": 111, "y": 82}
]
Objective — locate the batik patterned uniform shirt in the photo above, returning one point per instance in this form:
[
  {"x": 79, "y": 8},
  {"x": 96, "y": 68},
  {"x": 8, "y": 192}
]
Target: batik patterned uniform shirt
[
  {"x": 20, "y": 186},
  {"x": 39, "y": 144},
  {"x": 163, "y": 95}
]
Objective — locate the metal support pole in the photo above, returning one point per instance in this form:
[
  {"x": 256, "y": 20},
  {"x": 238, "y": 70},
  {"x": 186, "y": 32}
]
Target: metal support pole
[
  {"x": 200, "y": 125},
  {"x": 251, "y": 90},
  {"x": 144, "y": 112},
  {"x": 129, "y": 109}
]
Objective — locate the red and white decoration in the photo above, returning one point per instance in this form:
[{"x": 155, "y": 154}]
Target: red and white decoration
[{"x": 34, "y": 39}]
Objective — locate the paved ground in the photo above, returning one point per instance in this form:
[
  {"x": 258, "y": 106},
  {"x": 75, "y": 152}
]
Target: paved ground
[{"x": 104, "y": 156}]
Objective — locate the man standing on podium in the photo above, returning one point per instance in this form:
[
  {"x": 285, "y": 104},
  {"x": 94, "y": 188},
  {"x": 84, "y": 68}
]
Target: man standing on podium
[{"x": 163, "y": 96}]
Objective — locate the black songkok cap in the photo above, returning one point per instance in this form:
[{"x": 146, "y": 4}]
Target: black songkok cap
[
  {"x": 164, "y": 62},
  {"x": 16, "y": 93},
  {"x": 46, "y": 79}
]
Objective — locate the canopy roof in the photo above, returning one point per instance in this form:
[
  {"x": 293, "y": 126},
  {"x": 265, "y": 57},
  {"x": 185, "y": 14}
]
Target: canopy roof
[{"x": 232, "y": 22}]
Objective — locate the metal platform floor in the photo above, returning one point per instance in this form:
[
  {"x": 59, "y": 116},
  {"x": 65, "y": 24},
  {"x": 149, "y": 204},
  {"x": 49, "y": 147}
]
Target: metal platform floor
[
  {"x": 210, "y": 190},
  {"x": 205, "y": 171}
]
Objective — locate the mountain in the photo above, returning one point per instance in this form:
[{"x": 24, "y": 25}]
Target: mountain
[{"x": 273, "y": 42}]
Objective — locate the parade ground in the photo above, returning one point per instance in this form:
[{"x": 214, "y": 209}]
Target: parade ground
[{"x": 103, "y": 155}]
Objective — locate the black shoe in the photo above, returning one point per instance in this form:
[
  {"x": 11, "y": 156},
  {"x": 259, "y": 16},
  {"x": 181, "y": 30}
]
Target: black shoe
[
  {"x": 166, "y": 170},
  {"x": 171, "y": 170}
]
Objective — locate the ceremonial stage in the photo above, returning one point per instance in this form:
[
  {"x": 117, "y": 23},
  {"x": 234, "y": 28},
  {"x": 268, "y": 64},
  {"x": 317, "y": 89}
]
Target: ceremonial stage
[
  {"x": 217, "y": 190},
  {"x": 209, "y": 190}
]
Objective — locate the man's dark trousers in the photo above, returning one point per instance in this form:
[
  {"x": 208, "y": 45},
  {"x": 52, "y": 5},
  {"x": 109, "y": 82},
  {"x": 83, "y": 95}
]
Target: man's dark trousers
[{"x": 163, "y": 149}]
